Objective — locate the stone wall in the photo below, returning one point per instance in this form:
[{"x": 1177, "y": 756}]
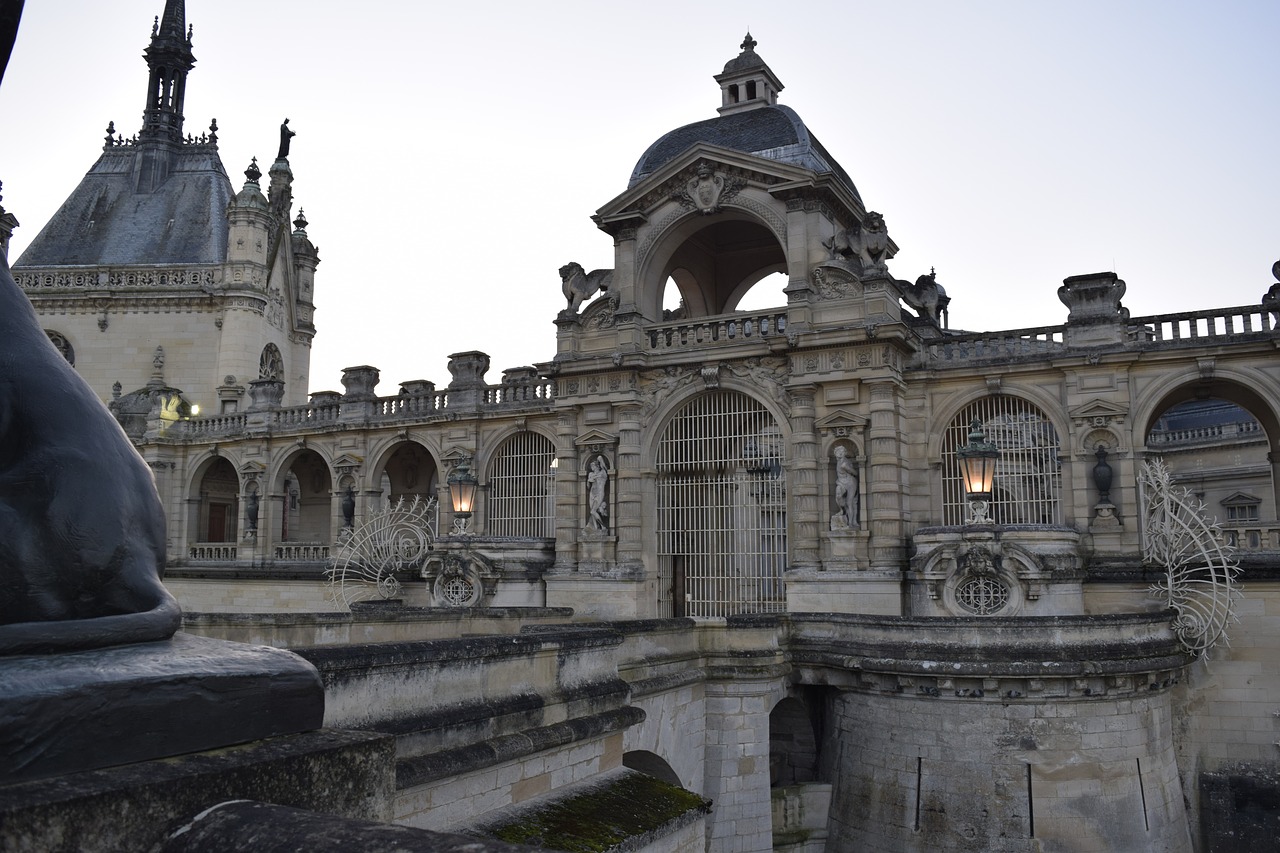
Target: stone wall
[{"x": 991, "y": 775}]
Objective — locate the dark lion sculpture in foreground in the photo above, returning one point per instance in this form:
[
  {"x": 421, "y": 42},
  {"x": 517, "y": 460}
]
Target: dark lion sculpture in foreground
[{"x": 82, "y": 539}]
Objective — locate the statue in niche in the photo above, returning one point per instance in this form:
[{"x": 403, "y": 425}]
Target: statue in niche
[
  {"x": 286, "y": 135},
  {"x": 598, "y": 494},
  {"x": 348, "y": 508},
  {"x": 251, "y": 511},
  {"x": 847, "y": 491}
]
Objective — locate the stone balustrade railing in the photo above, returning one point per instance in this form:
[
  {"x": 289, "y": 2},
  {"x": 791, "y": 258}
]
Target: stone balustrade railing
[
  {"x": 539, "y": 392},
  {"x": 1256, "y": 536},
  {"x": 1215, "y": 325},
  {"x": 1211, "y": 434},
  {"x": 213, "y": 552},
  {"x": 721, "y": 329},
  {"x": 1039, "y": 341},
  {"x": 301, "y": 551},
  {"x": 213, "y": 425},
  {"x": 38, "y": 280}
]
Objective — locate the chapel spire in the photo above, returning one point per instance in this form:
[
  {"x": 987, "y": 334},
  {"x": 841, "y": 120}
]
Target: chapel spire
[{"x": 169, "y": 57}]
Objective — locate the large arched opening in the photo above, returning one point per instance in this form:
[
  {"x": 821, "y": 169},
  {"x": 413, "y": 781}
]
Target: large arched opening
[
  {"x": 1216, "y": 445},
  {"x": 715, "y": 267},
  {"x": 722, "y": 508}
]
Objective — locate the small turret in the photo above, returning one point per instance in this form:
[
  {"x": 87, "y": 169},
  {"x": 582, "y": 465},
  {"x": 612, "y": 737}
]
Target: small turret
[
  {"x": 747, "y": 83},
  {"x": 249, "y": 227},
  {"x": 306, "y": 257}
]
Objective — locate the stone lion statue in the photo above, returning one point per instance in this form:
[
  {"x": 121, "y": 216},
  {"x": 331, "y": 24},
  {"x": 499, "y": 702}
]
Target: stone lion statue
[
  {"x": 82, "y": 530},
  {"x": 926, "y": 297},
  {"x": 579, "y": 286}
]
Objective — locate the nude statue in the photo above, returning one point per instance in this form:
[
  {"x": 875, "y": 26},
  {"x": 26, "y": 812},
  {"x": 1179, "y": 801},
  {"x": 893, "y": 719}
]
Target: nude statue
[
  {"x": 597, "y": 497},
  {"x": 847, "y": 492}
]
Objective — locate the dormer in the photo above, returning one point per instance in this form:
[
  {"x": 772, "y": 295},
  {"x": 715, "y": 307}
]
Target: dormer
[{"x": 747, "y": 83}]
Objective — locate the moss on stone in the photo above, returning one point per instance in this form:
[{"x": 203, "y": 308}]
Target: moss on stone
[{"x": 599, "y": 819}]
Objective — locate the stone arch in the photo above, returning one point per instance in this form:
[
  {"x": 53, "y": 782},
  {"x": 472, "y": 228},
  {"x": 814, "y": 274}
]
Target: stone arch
[
  {"x": 651, "y": 763},
  {"x": 301, "y": 491},
  {"x": 214, "y": 501},
  {"x": 1028, "y": 486},
  {"x": 1224, "y": 479},
  {"x": 406, "y": 468},
  {"x": 714, "y": 256},
  {"x": 793, "y": 744},
  {"x": 720, "y": 462}
]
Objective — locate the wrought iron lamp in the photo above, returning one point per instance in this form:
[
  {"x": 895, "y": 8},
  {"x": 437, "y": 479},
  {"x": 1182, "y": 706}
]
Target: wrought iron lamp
[
  {"x": 978, "y": 470},
  {"x": 462, "y": 494}
]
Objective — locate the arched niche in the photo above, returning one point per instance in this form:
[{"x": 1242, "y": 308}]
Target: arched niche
[
  {"x": 651, "y": 763},
  {"x": 713, "y": 261}
]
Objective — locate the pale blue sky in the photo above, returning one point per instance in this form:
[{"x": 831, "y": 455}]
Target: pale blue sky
[{"x": 449, "y": 156}]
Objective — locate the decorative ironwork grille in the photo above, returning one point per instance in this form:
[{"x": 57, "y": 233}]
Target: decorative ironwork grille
[
  {"x": 521, "y": 502},
  {"x": 722, "y": 510},
  {"x": 1028, "y": 484},
  {"x": 982, "y": 596}
]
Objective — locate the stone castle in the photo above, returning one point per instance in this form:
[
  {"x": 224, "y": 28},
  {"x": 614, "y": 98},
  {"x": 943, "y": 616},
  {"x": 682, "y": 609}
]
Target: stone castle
[{"x": 729, "y": 549}]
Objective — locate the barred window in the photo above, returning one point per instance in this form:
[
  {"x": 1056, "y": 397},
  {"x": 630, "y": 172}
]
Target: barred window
[
  {"x": 1028, "y": 484},
  {"x": 722, "y": 509},
  {"x": 521, "y": 492}
]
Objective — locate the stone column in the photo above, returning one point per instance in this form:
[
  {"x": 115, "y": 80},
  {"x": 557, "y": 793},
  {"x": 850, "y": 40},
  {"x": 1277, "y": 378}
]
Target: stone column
[
  {"x": 567, "y": 489},
  {"x": 883, "y": 492},
  {"x": 629, "y": 480},
  {"x": 805, "y": 518}
]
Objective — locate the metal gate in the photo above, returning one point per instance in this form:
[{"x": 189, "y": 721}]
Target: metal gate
[{"x": 722, "y": 516}]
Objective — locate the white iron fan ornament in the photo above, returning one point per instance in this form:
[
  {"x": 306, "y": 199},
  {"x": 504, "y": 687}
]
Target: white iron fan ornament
[
  {"x": 1200, "y": 582},
  {"x": 395, "y": 540}
]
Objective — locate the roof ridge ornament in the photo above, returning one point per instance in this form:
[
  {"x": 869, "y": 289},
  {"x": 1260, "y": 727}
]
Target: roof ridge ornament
[{"x": 748, "y": 43}]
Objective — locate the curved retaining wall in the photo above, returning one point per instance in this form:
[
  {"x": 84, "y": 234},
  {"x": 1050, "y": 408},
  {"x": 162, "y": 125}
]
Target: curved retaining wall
[{"x": 1028, "y": 734}]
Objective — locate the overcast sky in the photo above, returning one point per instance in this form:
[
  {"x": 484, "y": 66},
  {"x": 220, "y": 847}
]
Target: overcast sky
[{"x": 449, "y": 156}]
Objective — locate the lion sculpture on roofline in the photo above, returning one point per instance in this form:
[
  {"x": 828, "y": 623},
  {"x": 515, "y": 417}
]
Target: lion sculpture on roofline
[{"x": 579, "y": 286}]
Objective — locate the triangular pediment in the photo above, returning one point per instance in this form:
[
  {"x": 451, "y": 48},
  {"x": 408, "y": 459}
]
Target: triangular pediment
[
  {"x": 252, "y": 468},
  {"x": 1098, "y": 412},
  {"x": 348, "y": 460},
  {"x": 596, "y": 440},
  {"x": 1240, "y": 499},
  {"x": 841, "y": 420}
]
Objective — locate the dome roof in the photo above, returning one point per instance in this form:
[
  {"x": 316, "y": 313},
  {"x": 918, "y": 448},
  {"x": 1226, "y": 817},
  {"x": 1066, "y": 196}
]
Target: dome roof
[{"x": 774, "y": 132}]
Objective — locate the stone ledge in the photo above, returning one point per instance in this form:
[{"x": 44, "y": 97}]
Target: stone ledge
[
  {"x": 102, "y": 707},
  {"x": 477, "y": 756},
  {"x": 136, "y": 806}
]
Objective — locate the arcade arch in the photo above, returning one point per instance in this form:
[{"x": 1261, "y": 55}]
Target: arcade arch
[
  {"x": 216, "y": 508},
  {"x": 305, "y": 491}
]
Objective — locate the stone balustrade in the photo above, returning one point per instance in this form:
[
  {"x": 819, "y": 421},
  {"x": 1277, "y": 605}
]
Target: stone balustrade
[
  {"x": 1015, "y": 343},
  {"x": 1198, "y": 327},
  {"x": 1211, "y": 434},
  {"x": 721, "y": 329},
  {"x": 213, "y": 552},
  {"x": 301, "y": 552}
]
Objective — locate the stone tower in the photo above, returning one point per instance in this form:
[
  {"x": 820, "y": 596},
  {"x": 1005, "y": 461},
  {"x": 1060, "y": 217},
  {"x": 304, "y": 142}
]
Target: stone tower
[{"x": 157, "y": 280}]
